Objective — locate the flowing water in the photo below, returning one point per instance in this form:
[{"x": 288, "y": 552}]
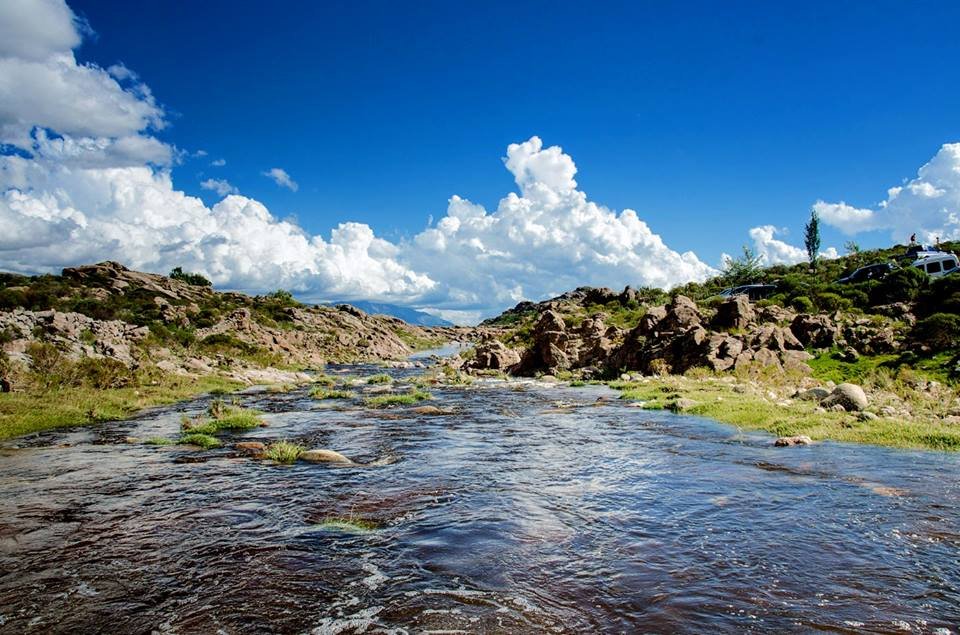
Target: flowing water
[{"x": 514, "y": 514}]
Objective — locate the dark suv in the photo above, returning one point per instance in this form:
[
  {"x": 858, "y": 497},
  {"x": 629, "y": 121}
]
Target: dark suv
[{"x": 876, "y": 271}]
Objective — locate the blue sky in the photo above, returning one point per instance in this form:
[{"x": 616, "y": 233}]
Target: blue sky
[
  {"x": 709, "y": 120},
  {"x": 705, "y": 120}
]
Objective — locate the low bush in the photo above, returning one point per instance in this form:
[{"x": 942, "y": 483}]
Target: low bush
[
  {"x": 940, "y": 331},
  {"x": 194, "y": 279},
  {"x": 803, "y": 304}
]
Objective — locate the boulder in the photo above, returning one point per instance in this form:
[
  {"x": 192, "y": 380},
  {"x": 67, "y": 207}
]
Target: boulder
[
  {"x": 814, "y": 394},
  {"x": 325, "y": 456},
  {"x": 817, "y": 331},
  {"x": 253, "y": 448},
  {"x": 492, "y": 354},
  {"x": 650, "y": 321},
  {"x": 849, "y": 397},
  {"x": 800, "y": 439},
  {"x": 682, "y": 313},
  {"x": 735, "y": 313},
  {"x": 430, "y": 411}
]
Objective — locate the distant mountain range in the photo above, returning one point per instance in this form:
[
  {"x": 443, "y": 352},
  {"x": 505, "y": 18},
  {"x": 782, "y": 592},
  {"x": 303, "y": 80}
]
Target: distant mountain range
[{"x": 405, "y": 313}]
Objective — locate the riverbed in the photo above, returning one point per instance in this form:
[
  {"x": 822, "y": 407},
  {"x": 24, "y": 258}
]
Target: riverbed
[{"x": 531, "y": 507}]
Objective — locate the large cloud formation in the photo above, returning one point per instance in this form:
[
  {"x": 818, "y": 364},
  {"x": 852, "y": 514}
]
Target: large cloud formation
[
  {"x": 84, "y": 178},
  {"x": 928, "y": 205}
]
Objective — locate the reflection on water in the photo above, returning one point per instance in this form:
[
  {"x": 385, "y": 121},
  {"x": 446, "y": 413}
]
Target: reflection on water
[{"x": 510, "y": 515}]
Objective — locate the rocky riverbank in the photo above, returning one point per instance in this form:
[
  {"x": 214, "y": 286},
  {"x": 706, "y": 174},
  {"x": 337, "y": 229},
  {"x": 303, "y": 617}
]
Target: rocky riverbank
[{"x": 840, "y": 375}]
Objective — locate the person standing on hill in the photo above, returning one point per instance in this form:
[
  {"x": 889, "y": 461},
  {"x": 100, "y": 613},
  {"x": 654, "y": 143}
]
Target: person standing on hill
[{"x": 913, "y": 239}]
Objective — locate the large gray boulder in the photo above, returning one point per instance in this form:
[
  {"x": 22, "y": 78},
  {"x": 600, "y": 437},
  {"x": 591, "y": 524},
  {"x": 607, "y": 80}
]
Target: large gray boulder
[{"x": 850, "y": 396}]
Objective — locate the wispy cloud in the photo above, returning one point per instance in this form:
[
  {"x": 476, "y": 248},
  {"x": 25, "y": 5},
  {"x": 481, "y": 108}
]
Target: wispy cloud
[
  {"x": 281, "y": 178},
  {"x": 218, "y": 163},
  {"x": 220, "y": 186}
]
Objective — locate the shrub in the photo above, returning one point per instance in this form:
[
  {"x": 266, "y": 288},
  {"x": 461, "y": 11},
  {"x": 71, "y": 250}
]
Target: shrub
[
  {"x": 803, "y": 304},
  {"x": 940, "y": 331},
  {"x": 903, "y": 285},
  {"x": 194, "y": 279},
  {"x": 831, "y": 302},
  {"x": 104, "y": 373}
]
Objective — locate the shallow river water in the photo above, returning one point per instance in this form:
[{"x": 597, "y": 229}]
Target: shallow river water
[{"x": 511, "y": 515}]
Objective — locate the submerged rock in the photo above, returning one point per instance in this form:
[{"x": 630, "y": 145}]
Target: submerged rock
[
  {"x": 324, "y": 456},
  {"x": 254, "y": 448},
  {"x": 800, "y": 439}
]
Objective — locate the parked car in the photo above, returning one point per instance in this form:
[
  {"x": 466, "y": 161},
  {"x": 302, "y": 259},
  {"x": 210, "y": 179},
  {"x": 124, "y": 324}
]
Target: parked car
[
  {"x": 876, "y": 271},
  {"x": 753, "y": 291},
  {"x": 937, "y": 264}
]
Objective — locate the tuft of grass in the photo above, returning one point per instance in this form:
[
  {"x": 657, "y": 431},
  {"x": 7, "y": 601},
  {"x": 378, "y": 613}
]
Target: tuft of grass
[
  {"x": 325, "y": 380},
  {"x": 404, "y": 399},
  {"x": 205, "y": 441},
  {"x": 285, "y": 452},
  {"x": 381, "y": 378},
  {"x": 160, "y": 441},
  {"x": 223, "y": 418},
  {"x": 577, "y": 383},
  {"x": 319, "y": 392}
]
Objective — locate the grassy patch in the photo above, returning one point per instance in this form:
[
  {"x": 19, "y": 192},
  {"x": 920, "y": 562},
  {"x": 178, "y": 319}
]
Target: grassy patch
[
  {"x": 325, "y": 393},
  {"x": 222, "y": 417},
  {"x": 285, "y": 452},
  {"x": 751, "y": 410},
  {"x": 382, "y": 378},
  {"x": 160, "y": 441},
  {"x": 205, "y": 441},
  {"x": 325, "y": 380},
  {"x": 37, "y": 410},
  {"x": 404, "y": 399}
]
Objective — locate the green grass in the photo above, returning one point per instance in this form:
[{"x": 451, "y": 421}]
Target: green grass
[
  {"x": 222, "y": 418},
  {"x": 205, "y": 441},
  {"x": 382, "y": 378},
  {"x": 325, "y": 380},
  {"x": 403, "y": 399},
  {"x": 320, "y": 392},
  {"x": 827, "y": 367},
  {"x": 37, "y": 410},
  {"x": 718, "y": 400},
  {"x": 285, "y": 452},
  {"x": 160, "y": 441}
]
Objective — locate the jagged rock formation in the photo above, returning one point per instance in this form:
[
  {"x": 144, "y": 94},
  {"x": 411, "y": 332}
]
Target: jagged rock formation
[{"x": 681, "y": 335}]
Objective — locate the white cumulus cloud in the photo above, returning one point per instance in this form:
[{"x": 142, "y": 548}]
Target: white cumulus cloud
[
  {"x": 928, "y": 205},
  {"x": 281, "y": 178},
  {"x": 90, "y": 182},
  {"x": 774, "y": 251},
  {"x": 547, "y": 239},
  {"x": 220, "y": 186}
]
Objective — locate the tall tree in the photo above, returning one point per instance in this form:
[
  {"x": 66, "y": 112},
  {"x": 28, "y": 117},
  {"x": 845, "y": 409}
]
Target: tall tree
[{"x": 812, "y": 238}]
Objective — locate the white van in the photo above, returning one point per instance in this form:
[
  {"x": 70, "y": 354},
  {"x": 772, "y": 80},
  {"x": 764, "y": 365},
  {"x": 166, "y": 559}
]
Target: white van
[{"x": 937, "y": 264}]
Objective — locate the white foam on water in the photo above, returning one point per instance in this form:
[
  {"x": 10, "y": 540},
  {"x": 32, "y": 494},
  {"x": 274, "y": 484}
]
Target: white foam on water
[{"x": 358, "y": 622}]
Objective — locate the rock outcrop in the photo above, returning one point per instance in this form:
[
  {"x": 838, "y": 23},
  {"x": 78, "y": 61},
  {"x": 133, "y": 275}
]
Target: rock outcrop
[{"x": 676, "y": 337}]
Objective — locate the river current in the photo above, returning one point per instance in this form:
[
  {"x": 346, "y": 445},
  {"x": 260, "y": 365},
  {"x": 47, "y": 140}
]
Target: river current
[{"x": 532, "y": 508}]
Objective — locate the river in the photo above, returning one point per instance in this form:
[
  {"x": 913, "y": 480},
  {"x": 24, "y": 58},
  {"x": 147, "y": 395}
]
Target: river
[{"x": 532, "y": 508}]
